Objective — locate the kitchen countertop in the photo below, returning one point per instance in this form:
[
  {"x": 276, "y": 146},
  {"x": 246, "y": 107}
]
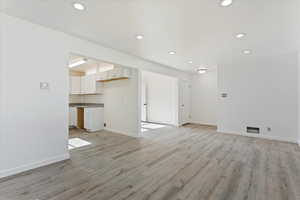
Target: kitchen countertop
[{"x": 86, "y": 105}]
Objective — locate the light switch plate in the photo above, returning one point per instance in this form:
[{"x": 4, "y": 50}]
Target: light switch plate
[
  {"x": 44, "y": 85},
  {"x": 224, "y": 95}
]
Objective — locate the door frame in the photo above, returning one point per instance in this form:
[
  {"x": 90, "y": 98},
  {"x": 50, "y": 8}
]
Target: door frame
[
  {"x": 144, "y": 97},
  {"x": 181, "y": 85},
  {"x": 140, "y": 103}
]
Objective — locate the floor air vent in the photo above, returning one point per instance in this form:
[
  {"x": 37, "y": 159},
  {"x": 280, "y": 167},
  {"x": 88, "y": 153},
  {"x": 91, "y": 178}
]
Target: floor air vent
[{"x": 254, "y": 130}]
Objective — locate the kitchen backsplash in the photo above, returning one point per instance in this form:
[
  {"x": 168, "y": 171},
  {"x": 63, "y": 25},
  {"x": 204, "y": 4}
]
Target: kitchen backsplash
[
  {"x": 86, "y": 98},
  {"x": 75, "y": 98}
]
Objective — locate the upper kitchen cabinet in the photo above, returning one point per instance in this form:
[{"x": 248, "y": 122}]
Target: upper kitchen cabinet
[
  {"x": 117, "y": 73},
  {"x": 87, "y": 76},
  {"x": 75, "y": 85},
  {"x": 85, "y": 85},
  {"x": 89, "y": 85}
]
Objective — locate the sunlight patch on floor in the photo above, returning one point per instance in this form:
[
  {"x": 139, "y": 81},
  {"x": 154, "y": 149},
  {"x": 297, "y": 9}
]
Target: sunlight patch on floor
[
  {"x": 150, "y": 126},
  {"x": 77, "y": 142}
]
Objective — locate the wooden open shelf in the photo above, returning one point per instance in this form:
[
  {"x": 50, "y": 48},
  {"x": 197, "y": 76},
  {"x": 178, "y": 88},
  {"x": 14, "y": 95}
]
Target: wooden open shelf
[{"x": 113, "y": 79}]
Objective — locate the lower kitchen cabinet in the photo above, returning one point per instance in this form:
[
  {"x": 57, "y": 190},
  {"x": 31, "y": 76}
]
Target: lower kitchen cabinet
[
  {"x": 89, "y": 118},
  {"x": 72, "y": 116},
  {"x": 93, "y": 119}
]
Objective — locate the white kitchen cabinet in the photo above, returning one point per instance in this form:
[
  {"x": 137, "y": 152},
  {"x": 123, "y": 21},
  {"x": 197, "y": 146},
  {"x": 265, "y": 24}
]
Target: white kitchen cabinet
[
  {"x": 115, "y": 74},
  {"x": 90, "y": 86},
  {"x": 72, "y": 116},
  {"x": 70, "y": 84},
  {"x": 102, "y": 76},
  {"x": 93, "y": 119},
  {"x": 84, "y": 85},
  {"x": 75, "y": 85}
]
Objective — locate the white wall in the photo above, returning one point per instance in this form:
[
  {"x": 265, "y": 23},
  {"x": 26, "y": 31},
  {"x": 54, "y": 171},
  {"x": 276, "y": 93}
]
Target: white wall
[
  {"x": 262, "y": 92},
  {"x": 1, "y": 90},
  {"x": 298, "y": 98},
  {"x": 205, "y": 98},
  {"x": 120, "y": 105},
  {"x": 35, "y": 122},
  {"x": 162, "y": 98}
]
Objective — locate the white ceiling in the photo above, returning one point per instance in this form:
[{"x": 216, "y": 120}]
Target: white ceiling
[{"x": 198, "y": 30}]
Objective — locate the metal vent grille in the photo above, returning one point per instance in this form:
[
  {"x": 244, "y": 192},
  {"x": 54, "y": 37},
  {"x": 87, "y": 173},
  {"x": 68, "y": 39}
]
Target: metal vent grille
[{"x": 254, "y": 130}]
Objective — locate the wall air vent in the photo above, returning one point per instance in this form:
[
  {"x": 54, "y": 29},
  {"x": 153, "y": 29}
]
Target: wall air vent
[{"x": 254, "y": 130}]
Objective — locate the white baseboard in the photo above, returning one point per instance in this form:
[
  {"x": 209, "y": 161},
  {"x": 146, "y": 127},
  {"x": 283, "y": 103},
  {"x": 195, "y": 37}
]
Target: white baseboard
[
  {"x": 203, "y": 123},
  {"x": 268, "y": 137},
  {"x": 121, "y": 132},
  {"x": 23, "y": 168},
  {"x": 163, "y": 123}
]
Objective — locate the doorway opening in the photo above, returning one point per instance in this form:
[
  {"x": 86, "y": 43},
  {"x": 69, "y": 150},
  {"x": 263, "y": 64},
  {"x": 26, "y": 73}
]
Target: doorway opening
[
  {"x": 99, "y": 98},
  {"x": 159, "y": 100}
]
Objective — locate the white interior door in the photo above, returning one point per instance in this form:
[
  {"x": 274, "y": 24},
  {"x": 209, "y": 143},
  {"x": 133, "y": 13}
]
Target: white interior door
[
  {"x": 185, "y": 98},
  {"x": 144, "y": 101}
]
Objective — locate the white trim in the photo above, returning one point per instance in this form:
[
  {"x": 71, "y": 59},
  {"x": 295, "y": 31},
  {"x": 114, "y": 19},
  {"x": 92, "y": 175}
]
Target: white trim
[
  {"x": 23, "y": 168},
  {"x": 122, "y": 133},
  {"x": 268, "y": 137},
  {"x": 160, "y": 122},
  {"x": 139, "y": 100},
  {"x": 299, "y": 142},
  {"x": 203, "y": 123}
]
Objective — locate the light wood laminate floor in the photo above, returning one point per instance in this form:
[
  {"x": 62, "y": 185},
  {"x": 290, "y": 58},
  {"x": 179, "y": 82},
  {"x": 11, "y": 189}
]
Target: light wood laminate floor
[{"x": 192, "y": 162}]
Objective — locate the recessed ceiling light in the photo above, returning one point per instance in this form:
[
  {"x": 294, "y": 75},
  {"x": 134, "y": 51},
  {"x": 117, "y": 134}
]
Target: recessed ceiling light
[
  {"x": 139, "y": 37},
  {"x": 240, "y": 35},
  {"x": 247, "y": 51},
  {"x": 202, "y": 70},
  {"x": 78, "y": 6},
  {"x": 226, "y": 3},
  {"x": 172, "y": 52},
  {"x": 191, "y": 62}
]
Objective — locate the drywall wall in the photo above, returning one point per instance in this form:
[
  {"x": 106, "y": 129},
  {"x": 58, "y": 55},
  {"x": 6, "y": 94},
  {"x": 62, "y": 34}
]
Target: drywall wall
[
  {"x": 262, "y": 92},
  {"x": 1, "y": 89},
  {"x": 298, "y": 98},
  {"x": 34, "y": 121},
  {"x": 162, "y": 98},
  {"x": 120, "y": 100},
  {"x": 205, "y": 98}
]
